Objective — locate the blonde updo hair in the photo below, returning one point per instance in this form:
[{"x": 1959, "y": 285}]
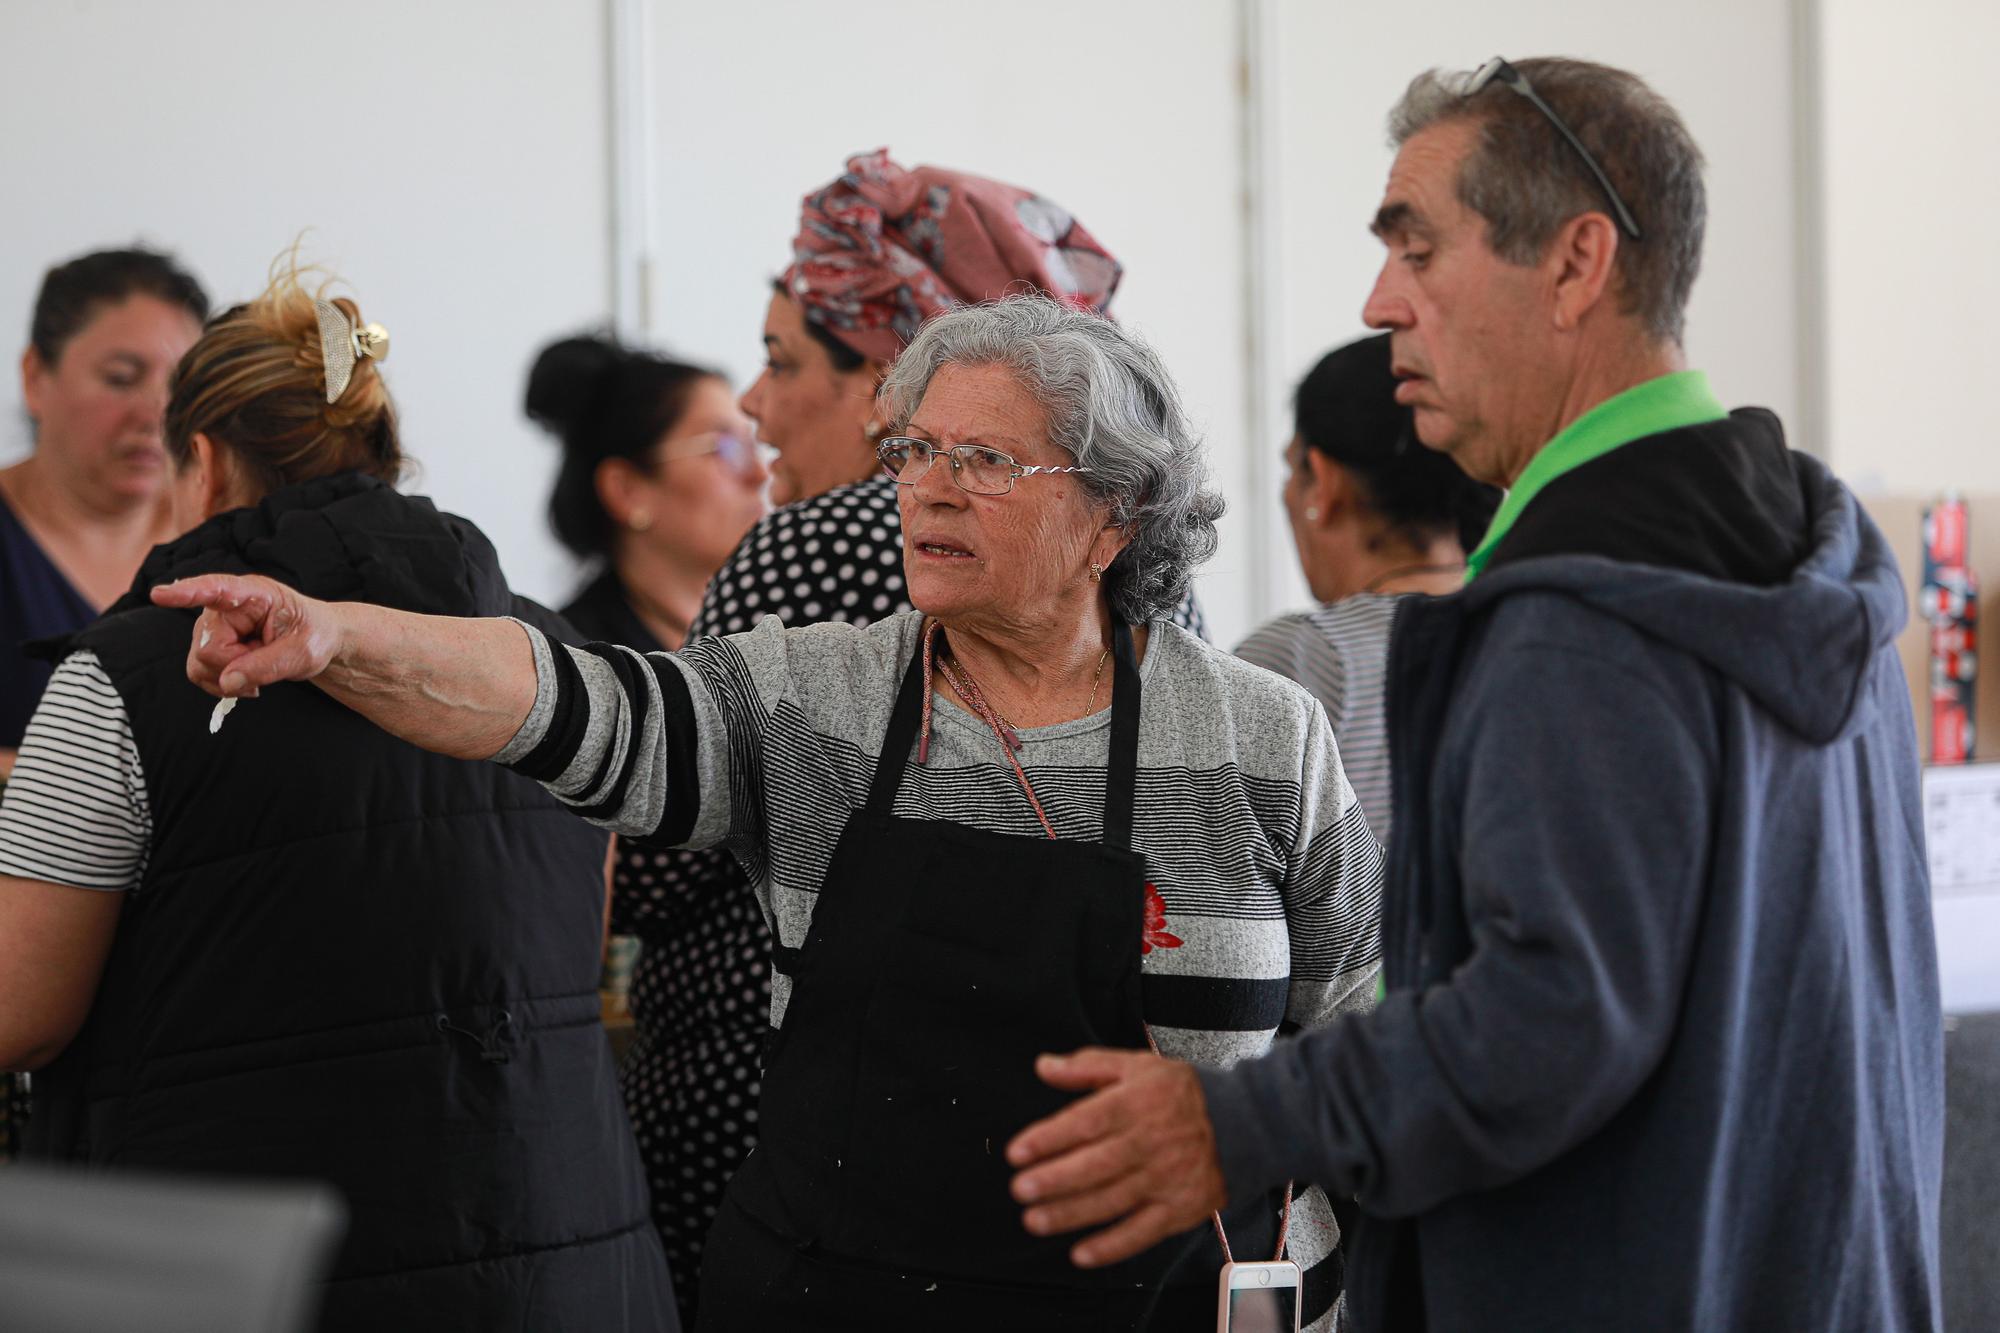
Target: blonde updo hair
[{"x": 255, "y": 385}]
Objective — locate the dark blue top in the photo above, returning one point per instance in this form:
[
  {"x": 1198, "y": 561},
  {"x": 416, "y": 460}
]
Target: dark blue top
[{"x": 36, "y": 602}]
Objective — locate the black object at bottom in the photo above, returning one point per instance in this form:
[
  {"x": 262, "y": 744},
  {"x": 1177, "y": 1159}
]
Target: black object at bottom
[{"x": 753, "y": 1279}]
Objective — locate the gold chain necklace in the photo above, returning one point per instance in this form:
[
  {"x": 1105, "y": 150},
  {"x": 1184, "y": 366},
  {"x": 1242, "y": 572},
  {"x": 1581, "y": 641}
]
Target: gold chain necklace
[
  {"x": 1375, "y": 584},
  {"x": 1095, "y": 680},
  {"x": 959, "y": 679}
]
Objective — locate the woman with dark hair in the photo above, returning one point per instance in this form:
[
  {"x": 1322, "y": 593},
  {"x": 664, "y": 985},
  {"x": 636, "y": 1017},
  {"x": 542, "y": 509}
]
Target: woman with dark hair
[
  {"x": 1376, "y": 518},
  {"x": 660, "y": 479},
  {"x": 274, "y": 942},
  {"x": 81, "y": 511}
]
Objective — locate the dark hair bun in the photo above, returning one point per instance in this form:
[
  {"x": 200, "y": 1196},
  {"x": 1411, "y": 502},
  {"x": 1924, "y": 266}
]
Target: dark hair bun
[
  {"x": 568, "y": 380},
  {"x": 1346, "y": 408},
  {"x": 602, "y": 401}
]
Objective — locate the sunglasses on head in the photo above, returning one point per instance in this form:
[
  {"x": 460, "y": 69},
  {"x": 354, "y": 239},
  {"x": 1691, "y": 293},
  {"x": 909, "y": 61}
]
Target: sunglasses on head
[{"x": 1497, "y": 70}]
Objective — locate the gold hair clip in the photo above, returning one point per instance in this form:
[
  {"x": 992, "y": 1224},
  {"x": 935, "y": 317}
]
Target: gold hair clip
[{"x": 341, "y": 345}]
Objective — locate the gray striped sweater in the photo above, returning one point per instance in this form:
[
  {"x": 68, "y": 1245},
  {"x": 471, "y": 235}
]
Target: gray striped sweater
[{"x": 764, "y": 742}]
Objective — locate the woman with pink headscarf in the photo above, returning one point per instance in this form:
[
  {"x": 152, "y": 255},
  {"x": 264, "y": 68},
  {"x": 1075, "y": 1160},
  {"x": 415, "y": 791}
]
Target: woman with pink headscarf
[{"x": 880, "y": 249}]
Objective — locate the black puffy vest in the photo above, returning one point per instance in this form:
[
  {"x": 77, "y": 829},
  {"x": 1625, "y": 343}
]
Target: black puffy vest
[{"x": 353, "y": 961}]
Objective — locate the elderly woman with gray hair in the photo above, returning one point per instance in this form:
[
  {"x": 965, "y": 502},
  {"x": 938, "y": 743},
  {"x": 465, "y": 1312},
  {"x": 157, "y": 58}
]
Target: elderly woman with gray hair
[{"x": 1029, "y": 816}]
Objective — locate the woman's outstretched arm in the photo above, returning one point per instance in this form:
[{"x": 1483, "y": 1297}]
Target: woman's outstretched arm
[{"x": 460, "y": 687}]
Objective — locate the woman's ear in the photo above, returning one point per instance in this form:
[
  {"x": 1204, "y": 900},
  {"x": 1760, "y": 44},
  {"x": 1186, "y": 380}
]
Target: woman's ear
[
  {"x": 620, "y": 490},
  {"x": 1111, "y": 541},
  {"x": 1326, "y": 490},
  {"x": 867, "y": 379},
  {"x": 211, "y": 486},
  {"x": 34, "y": 382}
]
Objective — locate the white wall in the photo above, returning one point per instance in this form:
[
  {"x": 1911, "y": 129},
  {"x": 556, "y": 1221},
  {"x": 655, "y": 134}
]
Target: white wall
[
  {"x": 453, "y": 160},
  {"x": 1129, "y": 115},
  {"x": 450, "y": 158},
  {"x": 1912, "y": 151},
  {"x": 1125, "y": 114}
]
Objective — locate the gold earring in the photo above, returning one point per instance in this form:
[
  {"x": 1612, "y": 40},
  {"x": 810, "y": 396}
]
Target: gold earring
[
  {"x": 1096, "y": 572},
  {"x": 640, "y": 520}
]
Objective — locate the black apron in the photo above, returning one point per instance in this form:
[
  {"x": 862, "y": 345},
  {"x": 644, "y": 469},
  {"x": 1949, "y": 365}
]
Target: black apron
[{"x": 940, "y": 962}]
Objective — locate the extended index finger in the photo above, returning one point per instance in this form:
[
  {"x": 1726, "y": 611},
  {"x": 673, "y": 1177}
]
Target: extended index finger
[{"x": 220, "y": 590}]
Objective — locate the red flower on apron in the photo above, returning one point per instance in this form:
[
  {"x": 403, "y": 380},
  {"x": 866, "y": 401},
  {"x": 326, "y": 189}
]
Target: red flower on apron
[{"x": 1153, "y": 934}]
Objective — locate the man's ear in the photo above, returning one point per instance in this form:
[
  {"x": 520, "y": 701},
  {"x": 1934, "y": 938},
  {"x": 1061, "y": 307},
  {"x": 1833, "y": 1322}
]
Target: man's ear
[{"x": 1581, "y": 263}]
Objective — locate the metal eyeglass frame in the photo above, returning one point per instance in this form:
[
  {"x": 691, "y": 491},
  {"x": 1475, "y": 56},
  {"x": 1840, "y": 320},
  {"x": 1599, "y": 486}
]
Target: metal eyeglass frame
[
  {"x": 930, "y": 452},
  {"x": 737, "y": 459},
  {"x": 1498, "y": 70}
]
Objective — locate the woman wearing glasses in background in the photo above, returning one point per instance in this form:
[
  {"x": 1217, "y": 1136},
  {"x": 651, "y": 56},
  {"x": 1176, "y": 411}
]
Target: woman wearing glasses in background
[
  {"x": 1031, "y": 816},
  {"x": 659, "y": 481},
  {"x": 1376, "y": 518}
]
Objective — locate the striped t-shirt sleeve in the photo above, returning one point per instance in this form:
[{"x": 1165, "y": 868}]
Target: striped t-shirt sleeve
[
  {"x": 1341, "y": 654},
  {"x": 75, "y": 811}
]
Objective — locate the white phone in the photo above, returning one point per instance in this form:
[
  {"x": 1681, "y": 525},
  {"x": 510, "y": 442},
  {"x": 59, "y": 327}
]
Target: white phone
[{"x": 1258, "y": 1298}]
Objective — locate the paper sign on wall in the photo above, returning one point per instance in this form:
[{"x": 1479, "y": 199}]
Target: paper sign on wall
[{"x": 1962, "y": 830}]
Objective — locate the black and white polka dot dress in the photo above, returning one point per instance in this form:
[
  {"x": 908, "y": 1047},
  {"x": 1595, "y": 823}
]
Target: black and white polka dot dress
[{"x": 701, "y": 991}]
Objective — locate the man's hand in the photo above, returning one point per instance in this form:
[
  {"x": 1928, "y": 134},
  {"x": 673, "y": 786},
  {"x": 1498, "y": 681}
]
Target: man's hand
[
  {"x": 252, "y": 631},
  {"x": 1139, "y": 1152}
]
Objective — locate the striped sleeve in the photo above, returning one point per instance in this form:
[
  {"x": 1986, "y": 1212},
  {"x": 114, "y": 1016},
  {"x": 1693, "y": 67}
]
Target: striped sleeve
[
  {"x": 1332, "y": 890},
  {"x": 1341, "y": 654},
  {"x": 75, "y": 812},
  {"x": 612, "y": 734}
]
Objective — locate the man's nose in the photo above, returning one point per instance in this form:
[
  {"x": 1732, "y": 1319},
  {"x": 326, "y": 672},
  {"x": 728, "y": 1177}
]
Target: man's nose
[{"x": 1386, "y": 308}]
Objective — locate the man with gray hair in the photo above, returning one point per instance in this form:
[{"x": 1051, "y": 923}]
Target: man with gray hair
[{"x": 1660, "y": 1045}]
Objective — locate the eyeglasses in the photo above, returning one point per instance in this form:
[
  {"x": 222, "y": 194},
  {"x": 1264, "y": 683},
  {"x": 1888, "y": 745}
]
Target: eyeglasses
[
  {"x": 1497, "y": 70},
  {"x": 736, "y": 453},
  {"x": 976, "y": 468}
]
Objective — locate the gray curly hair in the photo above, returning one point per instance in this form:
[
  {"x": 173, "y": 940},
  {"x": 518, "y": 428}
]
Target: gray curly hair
[{"x": 1112, "y": 405}]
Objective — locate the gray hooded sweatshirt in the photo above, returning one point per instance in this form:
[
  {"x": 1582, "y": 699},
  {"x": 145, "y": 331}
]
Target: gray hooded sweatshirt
[{"x": 1661, "y": 1046}]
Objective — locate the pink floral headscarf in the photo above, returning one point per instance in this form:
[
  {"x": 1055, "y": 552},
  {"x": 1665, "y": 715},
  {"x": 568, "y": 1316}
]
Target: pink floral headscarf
[{"x": 881, "y": 249}]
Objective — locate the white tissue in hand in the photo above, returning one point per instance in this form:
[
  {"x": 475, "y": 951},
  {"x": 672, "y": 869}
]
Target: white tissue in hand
[{"x": 222, "y": 708}]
